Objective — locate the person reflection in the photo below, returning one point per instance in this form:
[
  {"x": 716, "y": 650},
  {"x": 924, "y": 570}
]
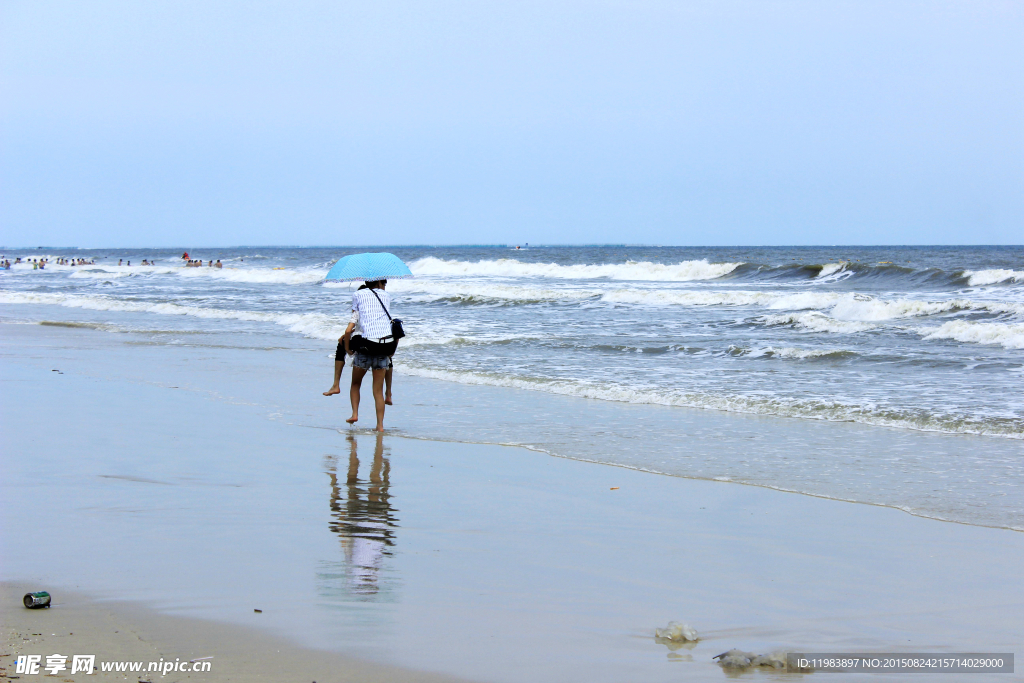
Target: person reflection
[{"x": 362, "y": 516}]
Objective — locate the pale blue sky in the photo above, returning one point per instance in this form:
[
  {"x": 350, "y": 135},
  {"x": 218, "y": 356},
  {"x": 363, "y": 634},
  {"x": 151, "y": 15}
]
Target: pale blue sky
[{"x": 760, "y": 122}]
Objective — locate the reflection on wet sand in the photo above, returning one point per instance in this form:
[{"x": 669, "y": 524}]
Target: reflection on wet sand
[{"x": 362, "y": 516}]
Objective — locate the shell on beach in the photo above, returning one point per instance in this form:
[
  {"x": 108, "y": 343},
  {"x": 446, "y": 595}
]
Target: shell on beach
[
  {"x": 677, "y": 632},
  {"x": 738, "y": 659}
]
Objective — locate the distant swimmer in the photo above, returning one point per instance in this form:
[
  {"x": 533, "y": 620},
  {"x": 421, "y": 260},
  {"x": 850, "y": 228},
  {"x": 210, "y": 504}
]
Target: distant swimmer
[{"x": 219, "y": 264}]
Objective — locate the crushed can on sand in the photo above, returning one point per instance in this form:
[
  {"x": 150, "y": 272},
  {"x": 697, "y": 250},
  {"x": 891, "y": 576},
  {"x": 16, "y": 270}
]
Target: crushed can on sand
[{"x": 37, "y": 600}]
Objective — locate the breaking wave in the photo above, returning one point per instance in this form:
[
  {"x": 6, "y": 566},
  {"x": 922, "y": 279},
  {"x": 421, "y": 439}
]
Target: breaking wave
[
  {"x": 791, "y": 353},
  {"x": 1007, "y": 335},
  {"x": 978, "y": 278},
  {"x": 816, "y": 321},
  {"x": 686, "y": 271},
  {"x": 842, "y": 306}
]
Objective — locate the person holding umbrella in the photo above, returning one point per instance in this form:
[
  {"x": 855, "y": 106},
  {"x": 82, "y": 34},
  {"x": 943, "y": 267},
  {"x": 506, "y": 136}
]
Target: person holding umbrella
[
  {"x": 378, "y": 331},
  {"x": 373, "y": 353}
]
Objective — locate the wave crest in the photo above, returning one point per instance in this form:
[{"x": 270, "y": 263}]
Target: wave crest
[
  {"x": 685, "y": 271},
  {"x": 1007, "y": 335},
  {"x": 978, "y": 278}
]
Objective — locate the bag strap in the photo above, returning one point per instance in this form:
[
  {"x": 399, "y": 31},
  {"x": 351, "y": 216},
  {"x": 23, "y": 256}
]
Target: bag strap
[{"x": 381, "y": 303}]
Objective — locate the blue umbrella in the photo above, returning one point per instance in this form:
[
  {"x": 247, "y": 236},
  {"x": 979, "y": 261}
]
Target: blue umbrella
[{"x": 381, "y": 266}]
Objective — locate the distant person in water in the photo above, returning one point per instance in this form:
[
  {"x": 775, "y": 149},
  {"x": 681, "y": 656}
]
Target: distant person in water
[{"x": 219, "y": 264}]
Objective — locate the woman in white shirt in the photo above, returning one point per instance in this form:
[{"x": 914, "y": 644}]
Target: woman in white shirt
[
  {"x": 371, "y": 316},
  {"x": 339, "y": 359}
]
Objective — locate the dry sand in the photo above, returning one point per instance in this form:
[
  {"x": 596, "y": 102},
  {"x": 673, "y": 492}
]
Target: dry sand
[{"x": 119, "y": 632}]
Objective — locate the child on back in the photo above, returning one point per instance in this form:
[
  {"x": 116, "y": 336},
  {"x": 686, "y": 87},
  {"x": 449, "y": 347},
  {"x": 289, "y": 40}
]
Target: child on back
[{"x": 344, "y": 347}]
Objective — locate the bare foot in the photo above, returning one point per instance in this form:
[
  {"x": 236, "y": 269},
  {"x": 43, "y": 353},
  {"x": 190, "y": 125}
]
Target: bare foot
[
  {"x": 387, "y": 400},
  {"x": 380, "y": 428},
  {"x": 353, "y": 419},
  {"x": 332, "y": 391}
]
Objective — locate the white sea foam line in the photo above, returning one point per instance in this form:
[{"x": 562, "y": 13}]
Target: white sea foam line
[
  {"x": 319, "y": 326},
  {"x": 977, "y": 278},
  {"x": 284, "y": 276},
  {"x": 686, "y": 271},
  {"x": 312, "y": 325},
  {"x": 1007, "y": 335},
  {"x": 315, "y": 325},
  {"x": 789, "y": 352},
  {"x": 845, "y": 306},
  {"x": 816, "y": 321},
  {"x": 779, "y": 406}
]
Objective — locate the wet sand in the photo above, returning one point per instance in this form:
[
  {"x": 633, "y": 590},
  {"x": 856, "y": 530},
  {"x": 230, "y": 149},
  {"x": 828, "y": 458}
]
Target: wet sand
[{"x": 474, "y": 561}]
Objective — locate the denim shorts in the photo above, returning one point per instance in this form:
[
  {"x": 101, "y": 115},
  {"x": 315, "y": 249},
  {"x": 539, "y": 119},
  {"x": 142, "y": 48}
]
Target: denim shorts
[{"x": 361, "y": 360}]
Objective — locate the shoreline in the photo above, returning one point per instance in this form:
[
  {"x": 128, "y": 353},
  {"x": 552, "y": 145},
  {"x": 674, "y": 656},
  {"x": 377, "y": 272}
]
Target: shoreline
[
  {"x": 959, "y": 478},
  {"x": 768, "y": 487}
]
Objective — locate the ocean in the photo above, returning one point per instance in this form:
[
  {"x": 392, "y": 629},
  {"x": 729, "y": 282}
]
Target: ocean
[{"x": 882, "y": 375}]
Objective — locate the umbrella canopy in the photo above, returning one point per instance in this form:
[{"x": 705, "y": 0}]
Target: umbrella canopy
[{"x": 380, "y": 266}]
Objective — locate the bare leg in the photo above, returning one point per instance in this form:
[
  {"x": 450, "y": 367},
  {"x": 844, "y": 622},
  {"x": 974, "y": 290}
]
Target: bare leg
[
  {"x": 353, "y": 393},
  {"x": 387, "y": 387},
  {"x": 339, "y": 365},
  {"x": 378, "y": 397}
]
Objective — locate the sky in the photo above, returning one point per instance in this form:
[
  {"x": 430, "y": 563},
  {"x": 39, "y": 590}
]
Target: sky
[{"x": 690, "y": 122}]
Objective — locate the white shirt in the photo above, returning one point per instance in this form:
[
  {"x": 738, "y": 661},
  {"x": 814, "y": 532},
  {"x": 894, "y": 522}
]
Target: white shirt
[{"x": 373, "y": 321}]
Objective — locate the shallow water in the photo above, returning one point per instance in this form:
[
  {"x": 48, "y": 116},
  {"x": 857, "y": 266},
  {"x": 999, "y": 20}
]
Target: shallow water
[{"x": 913, "y": 344}]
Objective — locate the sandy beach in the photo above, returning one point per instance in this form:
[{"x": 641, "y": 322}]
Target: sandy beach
[
  {"x": 124, "y": 632},
  {"x": 162, "y": 507}
]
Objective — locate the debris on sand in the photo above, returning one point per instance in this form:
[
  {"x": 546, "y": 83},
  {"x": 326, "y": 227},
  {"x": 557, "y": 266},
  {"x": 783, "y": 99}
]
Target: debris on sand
[{"x": 677, "y": 633}]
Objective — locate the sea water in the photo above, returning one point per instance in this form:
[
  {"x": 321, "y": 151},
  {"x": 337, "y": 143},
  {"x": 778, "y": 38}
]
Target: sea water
[{"x": 888, "y": 375}]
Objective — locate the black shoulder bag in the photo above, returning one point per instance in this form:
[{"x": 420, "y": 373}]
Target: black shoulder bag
[
  {"x": 377, "y": 348},
  {"x": 396, "y": 324}
]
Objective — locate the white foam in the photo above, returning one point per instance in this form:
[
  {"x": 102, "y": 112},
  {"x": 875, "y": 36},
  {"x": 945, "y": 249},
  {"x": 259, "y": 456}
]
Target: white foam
[
  {"x": 281, "y": 276},
  {"x": 107, "y": 272},
  {"x": 790, "y": 352},
  {"x": 426, "y": 291},
  {"x": 278, "y": 276},
  {"x": 868, "y": 309},
  {"x": 686, "y": 271},
  {"x": 817, "y": 409},
  {"x": 816, "y": 321},
  {"x": 314, "y": 325},
  {"x": 844, "y": 306},
  {"x": 977, "y": 278},
  {"x": 831, "y": 269},
  {"x": 1007, "y": 335}
]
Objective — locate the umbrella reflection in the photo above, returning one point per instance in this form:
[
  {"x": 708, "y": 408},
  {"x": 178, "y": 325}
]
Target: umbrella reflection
[{"x": 362, "y": 516}]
